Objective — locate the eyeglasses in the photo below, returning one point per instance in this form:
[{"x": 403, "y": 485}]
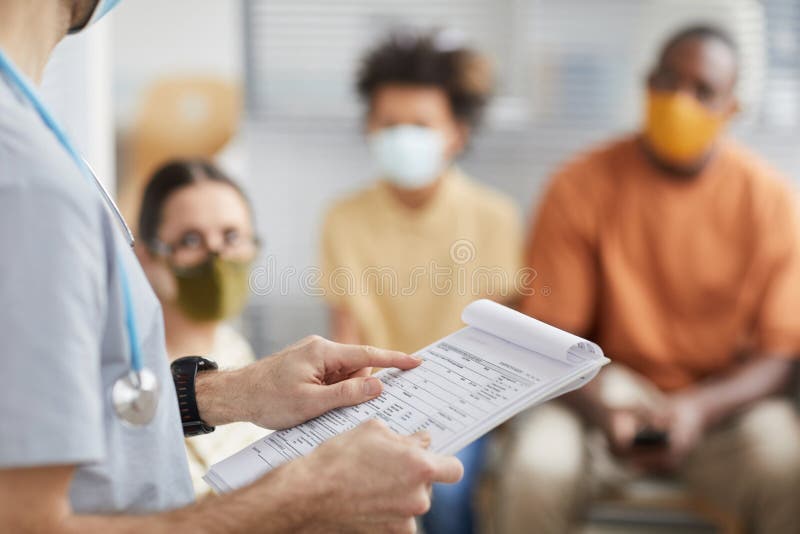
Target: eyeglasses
[{"x": 193, "y": 248}]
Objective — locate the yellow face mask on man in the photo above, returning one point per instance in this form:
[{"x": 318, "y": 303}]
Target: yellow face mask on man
[{"x": 678, "y": 128}]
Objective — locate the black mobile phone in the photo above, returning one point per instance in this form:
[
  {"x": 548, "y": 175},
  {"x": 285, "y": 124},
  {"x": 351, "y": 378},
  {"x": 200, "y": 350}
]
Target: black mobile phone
[{"x": 650, "y": 437}]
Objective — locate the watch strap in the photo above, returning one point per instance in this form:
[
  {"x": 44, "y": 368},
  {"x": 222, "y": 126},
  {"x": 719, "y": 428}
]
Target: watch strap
[{"x": 184, "y": 372}]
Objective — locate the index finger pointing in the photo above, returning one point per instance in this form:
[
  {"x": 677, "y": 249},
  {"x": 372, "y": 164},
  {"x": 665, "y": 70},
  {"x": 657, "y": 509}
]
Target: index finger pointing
[{"x": 354, "y": 357}]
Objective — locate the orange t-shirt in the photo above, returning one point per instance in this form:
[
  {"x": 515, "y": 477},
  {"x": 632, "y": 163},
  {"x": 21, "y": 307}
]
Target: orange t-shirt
[{"x": 674, "y": 278}]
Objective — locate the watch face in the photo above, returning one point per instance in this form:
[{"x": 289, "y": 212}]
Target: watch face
[{"x": 192, "y": 363}]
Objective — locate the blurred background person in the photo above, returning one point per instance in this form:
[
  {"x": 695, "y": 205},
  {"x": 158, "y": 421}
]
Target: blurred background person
[
  {"x": 196, "y": 245},
  {"x": 383, "y": 246},
  {"x": 677, "y": 250},
  {"x": 567, "y": 75}
]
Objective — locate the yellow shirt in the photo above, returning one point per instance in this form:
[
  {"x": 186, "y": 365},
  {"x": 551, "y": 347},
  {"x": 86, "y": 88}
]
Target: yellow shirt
[
  {"x": 406, "y": 274},
  {"x": 231, "y": 351}
]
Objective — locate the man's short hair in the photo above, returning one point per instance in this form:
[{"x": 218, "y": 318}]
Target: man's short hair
[{"x": 703, "y": 32}]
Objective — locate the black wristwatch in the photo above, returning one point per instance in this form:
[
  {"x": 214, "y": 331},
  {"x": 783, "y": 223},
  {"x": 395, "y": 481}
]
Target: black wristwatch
[{"x": 184, "y": 371}]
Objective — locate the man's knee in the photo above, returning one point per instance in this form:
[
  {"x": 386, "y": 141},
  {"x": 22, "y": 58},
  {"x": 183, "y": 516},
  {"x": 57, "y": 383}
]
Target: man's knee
[
  {"x": 770, "y": 432},
  {"x": 547, "y": 445}
]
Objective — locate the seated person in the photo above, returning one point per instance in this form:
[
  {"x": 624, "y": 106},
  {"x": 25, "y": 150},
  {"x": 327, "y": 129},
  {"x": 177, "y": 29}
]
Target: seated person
[
  {"x": 676, "y": 250},
  {"x": 404, "y": 256},
  {"x": 197, "y": 237}
]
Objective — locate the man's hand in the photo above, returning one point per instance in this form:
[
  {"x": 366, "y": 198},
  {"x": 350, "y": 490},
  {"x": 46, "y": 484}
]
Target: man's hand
[
  {"x": 621, "y": 402},
  {"x": 620, "y": 426},
  {"x": 366, "y": 480},
  {"x": 692, "y": 411},
  {"x": 686, "y": 422},
  {"x": 299, "y": 383},
  {"x": 371, "y": 480}
]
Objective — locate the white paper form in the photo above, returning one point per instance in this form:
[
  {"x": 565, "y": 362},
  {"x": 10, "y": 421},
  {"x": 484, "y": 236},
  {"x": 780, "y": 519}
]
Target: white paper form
[{"x": 469, "y": 382}]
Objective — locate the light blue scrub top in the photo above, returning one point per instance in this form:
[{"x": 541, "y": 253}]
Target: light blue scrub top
[{"x": 63, "y": 340}]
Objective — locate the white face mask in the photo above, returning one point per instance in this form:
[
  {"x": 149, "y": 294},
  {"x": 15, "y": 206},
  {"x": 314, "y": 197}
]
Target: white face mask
[
  {"x": 409, "y": 156},
  {"x": 101, "y": 9}
]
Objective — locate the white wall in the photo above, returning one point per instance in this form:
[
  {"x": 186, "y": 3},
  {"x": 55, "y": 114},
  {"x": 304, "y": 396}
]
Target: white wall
[
  {"x": 155, "y": 38},
  {"x": 95, "y": 78},
  {"x": 77, "y": 88}
]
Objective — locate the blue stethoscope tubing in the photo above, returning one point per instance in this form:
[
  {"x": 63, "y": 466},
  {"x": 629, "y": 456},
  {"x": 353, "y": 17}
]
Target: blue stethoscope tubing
[{"x": 27, "y": 90}]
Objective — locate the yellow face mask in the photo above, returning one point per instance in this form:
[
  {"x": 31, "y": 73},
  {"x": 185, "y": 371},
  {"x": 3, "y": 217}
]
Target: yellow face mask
[{"x": 678, "y": 128}]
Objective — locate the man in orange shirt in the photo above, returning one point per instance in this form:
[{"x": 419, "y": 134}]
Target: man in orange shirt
[{"x": 678, "y": 252}]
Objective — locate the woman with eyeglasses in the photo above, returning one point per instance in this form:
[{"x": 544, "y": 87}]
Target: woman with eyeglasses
[{"x": 197, "y": 244}]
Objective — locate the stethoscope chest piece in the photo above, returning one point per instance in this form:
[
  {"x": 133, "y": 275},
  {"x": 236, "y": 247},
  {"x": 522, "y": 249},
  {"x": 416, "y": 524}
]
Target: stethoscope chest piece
[{"x": 135, "y": 397}]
